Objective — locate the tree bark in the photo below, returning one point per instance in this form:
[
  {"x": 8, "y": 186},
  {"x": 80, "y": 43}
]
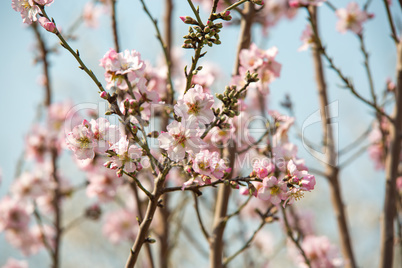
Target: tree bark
[
  {"x": 332, "y": 171},
  {"x": 391, "y": 169}
]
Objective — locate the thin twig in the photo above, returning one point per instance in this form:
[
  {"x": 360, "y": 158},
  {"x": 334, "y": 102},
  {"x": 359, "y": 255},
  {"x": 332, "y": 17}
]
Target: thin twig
[
  {"x": 295, "y": 241},
  {"x": 196, "y": 13},
  {"x": 165, "y": 52},
  {"x": 138, "y": 183},
  {"x": 391, "y": 22},
  {"x": 75, "y": 54},
  {"x": 114, "y": 26},
  {"x": 247, "y": 244},
  {"x": 41, "y": 229},
  {"x": 347, "y": 82},
  {"x": 199, "y": 218}
]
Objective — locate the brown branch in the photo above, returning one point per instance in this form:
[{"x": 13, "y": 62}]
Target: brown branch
[
  {"x": 246, "y": 245},
  {"x": 44, "y": 59},
  {"x": 294, "y": 240},
  {"x": 391, "y": 172},
  {"x": 332, "y": 171},
  {"x": 147, "y": 220},
  {"x": 216, "y": 241},
  {"x": 245, "y": 33},
  {"x": 391, "y": 22},
  {"x": 114, "y": 27},
  {"x": 141, "y": 217},
  {"x": 163, "y": 227},
  {"x": 199, "y": 218}
]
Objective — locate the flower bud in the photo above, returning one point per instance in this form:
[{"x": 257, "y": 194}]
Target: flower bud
[
  {"x": 47, "y": 25},
  {"x": 104, "y": 95},
  {"x": 189, "y": 20}
]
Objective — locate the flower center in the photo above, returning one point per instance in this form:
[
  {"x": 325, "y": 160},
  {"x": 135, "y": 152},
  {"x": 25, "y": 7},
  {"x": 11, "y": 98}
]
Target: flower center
[
  {"x": 351, "y": 19},
  {"x": 26, "y": 4},
  {"x": 274, "y": 190},
  {"x": 84, "y": 142},
  {"x": 180, "y": 138},
  {"x": 193, "y": 108}
]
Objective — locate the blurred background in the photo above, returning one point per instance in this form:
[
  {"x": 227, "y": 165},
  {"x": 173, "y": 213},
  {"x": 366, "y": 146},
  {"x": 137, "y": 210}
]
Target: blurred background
[{"x": 362, "y": 185}]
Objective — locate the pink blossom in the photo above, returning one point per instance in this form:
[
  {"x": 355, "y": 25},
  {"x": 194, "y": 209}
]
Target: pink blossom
[
  {"x": 81, "y": 141},
  {"x": 120, "y": 226},
  {"x": 104, "y": 134},
  {"x": 283, "y": 124},
  {"x": 196, "y": 105},
  {"x": 320, "y": 252},
  {"x": 58, "y": 113},
  {"x": 272, "y": 190},
  {"x": 262, "y": 62},
  {"x": 103, "y": 185},
  {"x": 28, "y": 9},
  {"x": 13, "y": 263},
  {"x": 209, "y": 164},
  {"x": 30, "y": 241},
  {"x": 181, "y": 139},
  {"x": 47, "y": 25},
  {"x": 305, "y": 181},
  {"x": 32, "y": 185},
  {"x": 197, "y": 180},
  {"x": 37, "y": 143},
  {"x": 119, "y": 65},
  {"x": 14, "y": 215},
  {"x": 91, "y": 14},
  {"x": 251, "y": 58},
  {"x": 351, "y": 18},
  {"x": 307, "y": 38},
  {"x": 125, "y": 155},
  {"x": 262, "y": 167}
]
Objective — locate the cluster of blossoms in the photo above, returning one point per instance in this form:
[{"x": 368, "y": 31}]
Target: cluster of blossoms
[
  {"x": 277, "y": 186},
  {"x": 36, "y": 186},
  {"x": 352, "y": 18},
  {"x": 261, "y": 62},
  {"x": 122, "y": 67},
  {"x": 319, "y": 251},
  {"x": 29, "y": 10},
  {"x": 90, "y": 137},
  {"x": 194, "y": 109}
]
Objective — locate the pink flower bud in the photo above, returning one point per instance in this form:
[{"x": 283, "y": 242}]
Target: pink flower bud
[
  {"x": 85, "y": 123},
  {"x": 48, "y": 25},
  {"x": 183, "y": 19},
  {"x": 104, "y": 95}
]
